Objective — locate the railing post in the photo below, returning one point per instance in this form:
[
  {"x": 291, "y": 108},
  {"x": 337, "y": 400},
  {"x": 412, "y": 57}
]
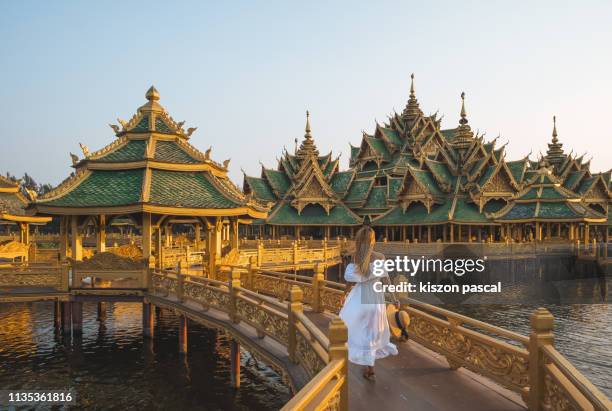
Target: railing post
[
  {"x": 147, "y": 282},
  {"x": 295, "y": 306},
  {"x": 541, "y": 334},
  {"x": 183, "y": 270},
  {"x": 317, "y": 277},
  {"x": 260, "y": 250},
  {"x": 64, "y": 275},
  {"x": 295, "y": 253},
  {"x": 338, "y": 350},
  {"x": 251, "y": 273},
  {"x": 234, "y": 284}
]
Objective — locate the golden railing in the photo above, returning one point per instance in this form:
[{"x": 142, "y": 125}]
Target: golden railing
[
  {"x": 501, "y": 355},
  {"x": 294, "y": 254},
  {"x": 20, "y": 275},
  {"x": 324, "y": 358}
]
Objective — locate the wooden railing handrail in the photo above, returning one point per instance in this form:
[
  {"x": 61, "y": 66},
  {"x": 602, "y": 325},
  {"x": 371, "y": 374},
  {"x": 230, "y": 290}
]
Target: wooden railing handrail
[
  {"x": 595, "y": 397},
  {"x": 304, "y": 399},
  {"x": 524, "y": 340}
]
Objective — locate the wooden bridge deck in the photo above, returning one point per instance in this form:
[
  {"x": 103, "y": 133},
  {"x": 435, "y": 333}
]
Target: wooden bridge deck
[{"x": 420, "y": 380}]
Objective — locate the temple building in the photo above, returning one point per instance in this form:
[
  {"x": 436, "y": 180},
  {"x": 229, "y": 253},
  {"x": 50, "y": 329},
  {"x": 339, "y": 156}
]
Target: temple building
[
  {"x": 13, "y": 203},
  {"x": 307, "y": 192},
  {"x": 418, "y": 182},
  {"x": 151, "y": 175}
]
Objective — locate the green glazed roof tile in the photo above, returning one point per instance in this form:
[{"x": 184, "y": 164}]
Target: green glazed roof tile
[
  {"x": 143, "y": 125},
  {"x": 261, "y": 189},
  {"x": 103, "y": 188},
  {"x": 277, "y": 180},
  {"x": 340, "y": 181},
  {"x": 393, "y": 187},
  {"x": 377, "y": 198},
  {"x": 516, "y": 168},
  {"x": 520, "y": 211},
  {"x": 186, "y": 189},
  {"x": 359, "y": 190},
  {"x": 169, "y": 151},
  {"x": 133, "y": 150},
  {"x": 312, "y": 214},
  {"x": 161, "y": 126},
  {"x": 392, "y": 135}
]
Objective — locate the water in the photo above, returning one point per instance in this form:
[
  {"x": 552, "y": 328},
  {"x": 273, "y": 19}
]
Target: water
[
  {"x": 112, "y": 367},
  {"x": 583, "y": 333}
]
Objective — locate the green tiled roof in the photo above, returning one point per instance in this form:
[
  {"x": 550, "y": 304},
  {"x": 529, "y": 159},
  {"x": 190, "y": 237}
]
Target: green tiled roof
[
  {"x": 161, "y": 126},
  {"x": 277, "y": 180},
  {"x": 186, "y": 189},
  {"x": 467, "y": 213},
  {"x": 416, "y": 214},
  {"x": 329, "y": 168},
  {"x": 448, "y": 134},
  {"x": 426, "y": 179},
  {"x": 261, "y": 189},
  {"x": 103, "y": 189},
  {"x": 520, "y": 211},
  {"x": 585, "y": 185},
  {"x": 359, "y": 190},
  {"x": 516, "y": 168},
  {"x": 312, "y": 214},
  {"x": 392, "y": 135},
  {"x": 557, "y": 210},
  {"x": 169, "y": 151},
  {"x": 488, "y": 173},
  {"x": 354, "y": 152},
  {"x": 379, "y": 146},
  {"x": 143, "y": 125},
  {"x": 133, "y": 150},
  {"x": 377, "y": 198},
  {"x": 340, "y": 181},
  {"x": 440, "y": 170},
  {"x": 393, "y": 187},
  {"x": 572, "y": 179}
]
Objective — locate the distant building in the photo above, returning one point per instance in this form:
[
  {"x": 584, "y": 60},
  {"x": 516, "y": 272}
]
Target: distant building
[{"x": 414, "y": 181}]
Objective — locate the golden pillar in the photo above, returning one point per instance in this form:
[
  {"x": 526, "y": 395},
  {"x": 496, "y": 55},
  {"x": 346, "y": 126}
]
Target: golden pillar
[
  {"x": 146, "y": 235},
  {"x": 63, "y": 238},
  {"x": 101, "y": 234},
  {"x": 77, "y": 240}
]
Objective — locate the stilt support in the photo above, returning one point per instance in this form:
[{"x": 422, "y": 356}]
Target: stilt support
[
  {"x": 101, "y": 311},
  {"x": 66, "y": 317},
  {"x": 148, "y": 320},
  {"x": 77, "y": 317},
  {"x": 183, "y": 335},
  {"x": 235, "y": 363}
]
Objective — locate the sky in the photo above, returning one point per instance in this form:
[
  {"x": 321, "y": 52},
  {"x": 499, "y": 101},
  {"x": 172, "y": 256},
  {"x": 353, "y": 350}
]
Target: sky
[{"x": 244, "y": 73}]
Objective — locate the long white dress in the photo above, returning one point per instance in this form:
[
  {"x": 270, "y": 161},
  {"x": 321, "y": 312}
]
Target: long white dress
[{"x": 364, "y": 313}]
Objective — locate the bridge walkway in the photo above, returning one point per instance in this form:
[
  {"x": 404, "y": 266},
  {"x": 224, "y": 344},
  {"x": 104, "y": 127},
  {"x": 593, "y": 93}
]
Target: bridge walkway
[{"x": 419, "y": 379}]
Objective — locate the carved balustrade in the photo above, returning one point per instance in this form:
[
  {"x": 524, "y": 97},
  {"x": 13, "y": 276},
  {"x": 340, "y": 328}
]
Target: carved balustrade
[{"x": 35, "y": 276}]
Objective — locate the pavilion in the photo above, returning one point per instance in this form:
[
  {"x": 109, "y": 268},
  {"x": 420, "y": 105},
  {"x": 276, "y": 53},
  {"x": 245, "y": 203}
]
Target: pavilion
[
  {"x": 13, "y": 203},
  {"x": 152, "y": 175}
]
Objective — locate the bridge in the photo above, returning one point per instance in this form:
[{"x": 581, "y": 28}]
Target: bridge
[{"x": 289, "y": 321}]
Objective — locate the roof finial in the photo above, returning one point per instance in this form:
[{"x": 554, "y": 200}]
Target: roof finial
[
  {"x": 152, "y": 94},
  {"x": 412, "y": 95},
  {"x": 463, "y": 114},
  {"x": 554, "y": 133},
  {"x": 307, "y": 135}
]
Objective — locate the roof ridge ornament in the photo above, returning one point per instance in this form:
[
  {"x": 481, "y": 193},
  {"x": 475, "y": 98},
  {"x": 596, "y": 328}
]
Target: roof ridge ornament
[
  {"x": 412, "y": 111},
  {"x": 152, "y": 94}
]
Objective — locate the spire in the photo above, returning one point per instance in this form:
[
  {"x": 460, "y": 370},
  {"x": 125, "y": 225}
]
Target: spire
[
  {"x": 463, "y": 113},
  {"x": 307, "y": 148},
  {"x": 463, "y": 137},
  {"x": 555, "y": 155},
  {"x": 152, "y": 94},
  {"x": 412, "y": 111},
  {"x": 307, "y": 129}
]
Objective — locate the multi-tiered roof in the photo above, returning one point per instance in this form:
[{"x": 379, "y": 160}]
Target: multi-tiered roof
[
  {"x": 13, "y": 203},
  {"x": 305, "y": 189},
  {"x": 149, "y": 167},
  {"x": 410, "y": 171}
]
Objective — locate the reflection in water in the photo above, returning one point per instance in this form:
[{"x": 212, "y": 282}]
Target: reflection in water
[
  {"x": 582, "y": 333},
  {"x": 112, "y": 367}
]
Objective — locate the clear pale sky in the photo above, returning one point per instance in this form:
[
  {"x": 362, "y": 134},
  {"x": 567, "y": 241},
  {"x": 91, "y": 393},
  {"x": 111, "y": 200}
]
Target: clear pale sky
[{"x": 244, "y": 73}]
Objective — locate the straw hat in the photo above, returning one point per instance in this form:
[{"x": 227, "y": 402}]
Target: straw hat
[{"x": 398, "y": 321}]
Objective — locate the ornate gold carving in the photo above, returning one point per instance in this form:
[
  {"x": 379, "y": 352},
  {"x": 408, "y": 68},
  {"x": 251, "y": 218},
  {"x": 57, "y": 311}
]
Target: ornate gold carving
[
  {"x": 271, "y": 324},
  {"x": 308, "y": 357},
  {"x": 555, "y": 398},
  {"x": 510, "y": 368}
]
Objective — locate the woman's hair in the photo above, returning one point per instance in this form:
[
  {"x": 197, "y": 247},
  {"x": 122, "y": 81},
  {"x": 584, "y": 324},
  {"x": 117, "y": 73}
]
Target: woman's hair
[{"x": 363, "y": 249}]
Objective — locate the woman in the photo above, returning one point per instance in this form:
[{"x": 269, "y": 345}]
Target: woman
[{"x": 364, "y": 310}]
